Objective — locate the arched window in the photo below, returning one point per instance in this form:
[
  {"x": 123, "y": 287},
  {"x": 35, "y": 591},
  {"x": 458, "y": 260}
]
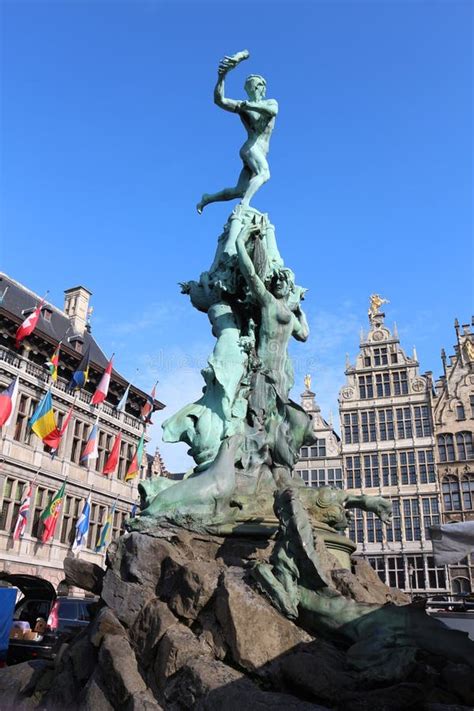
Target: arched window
[
  {"x": 467, "y": 486},
  {"x": 446, "y": 448},
  {"x": 451, "y": 494},
  {"x": 464, "y": 446},
  {"x": 461, "y": 586}
]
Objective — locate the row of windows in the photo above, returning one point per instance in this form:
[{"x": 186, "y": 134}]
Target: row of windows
[
  {"x": 411, "y": 572},
  {"x": 386, "y": 424},
  {"x": 317, "y": 451},
  {"x": 409, "y": 521},
  {"x": 390, "y": 469},
  {"x": 322, "y": 477},
  {"x": 458, "y": 495},
  {"x": 81, "y": 431},
  {"x": 449, "y": 452},
  {"x": 391, "y": 383},
  {"x": 70, "y": 511}
]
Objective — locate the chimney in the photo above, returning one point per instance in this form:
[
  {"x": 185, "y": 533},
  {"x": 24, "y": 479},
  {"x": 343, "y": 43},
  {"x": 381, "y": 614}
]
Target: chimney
[{"x": 76, "y": 303}]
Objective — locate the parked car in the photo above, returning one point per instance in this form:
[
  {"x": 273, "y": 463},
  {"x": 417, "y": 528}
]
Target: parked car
[{"x": 58, "y": 617}]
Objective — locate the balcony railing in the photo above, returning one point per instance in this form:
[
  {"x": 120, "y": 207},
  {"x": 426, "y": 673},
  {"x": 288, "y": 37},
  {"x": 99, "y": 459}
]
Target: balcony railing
[{"x": 41, "y": 374}]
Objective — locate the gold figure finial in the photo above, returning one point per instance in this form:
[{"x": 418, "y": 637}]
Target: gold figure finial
[
  {"x": 376, "y": 302},
  {"x": 307, "y": 382}
]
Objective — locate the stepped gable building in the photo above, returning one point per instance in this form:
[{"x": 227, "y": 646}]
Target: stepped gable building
[
  {"x": 23, "y": 457},
  {"x": 320, "y": 464},
  {"x": 388, "y": 449},
  {"x": 453, "y": 415}
]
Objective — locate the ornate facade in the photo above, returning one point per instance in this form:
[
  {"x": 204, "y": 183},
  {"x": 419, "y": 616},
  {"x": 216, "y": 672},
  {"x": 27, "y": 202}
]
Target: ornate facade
[
  {"x": 388, "y": 449},
  {"x": 320, "y": 464},
  {"x": 23, "y": 457},
  {"x": 453, "y": 415}
]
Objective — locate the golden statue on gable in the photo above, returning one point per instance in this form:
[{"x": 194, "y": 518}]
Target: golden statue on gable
[
  {"x": 376, "y": 302},
  {"x": 307, "y": 382}
]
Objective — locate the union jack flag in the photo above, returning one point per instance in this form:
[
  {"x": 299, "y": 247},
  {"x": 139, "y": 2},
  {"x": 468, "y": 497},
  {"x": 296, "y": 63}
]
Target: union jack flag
[{"x": 22, "y": 519}]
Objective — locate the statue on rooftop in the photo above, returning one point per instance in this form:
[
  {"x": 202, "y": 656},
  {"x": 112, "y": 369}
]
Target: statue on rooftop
[{"x": 258, "y": 117}]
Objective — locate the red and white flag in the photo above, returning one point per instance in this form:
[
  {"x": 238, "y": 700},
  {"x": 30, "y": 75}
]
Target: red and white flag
[
  {"x": 28, "y": 325},
  {"x": 23, "y": 513},
  {"x": 112, "y": 460},
  {"x": 103, "y": 386}
]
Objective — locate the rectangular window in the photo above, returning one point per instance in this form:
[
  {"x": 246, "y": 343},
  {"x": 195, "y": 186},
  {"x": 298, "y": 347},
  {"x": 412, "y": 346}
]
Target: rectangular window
[
  {"x": 394, "y": 530},
  {"x": 353, "y": 472},
  {"x": 12, "y": 491},
  {"x": 411, "y": 515},
  {"x": 367, "y": 361},
  {"x": 426, "y": 467},
  {"x": 72, "y": 509},
  {"x": 386, "y": 424},
  {"x": 436, "y": 576},
  {"x": 374, "y": 529},
  {"x": 400, "y": 382},
  {"x": 430, "y": 513},
  {"x": 371, "y": 470},
  {"x": 378, "y": 564},
  {"x": 351, "y": 428},
  {"x": 369, "y": 430},
  {"x": 422, "y": 420},
  {"x": 460, "y": 414},
  {"x": 334, "y": 478},
  {"x": 471, "y": 403},
  {"x": 389, "y": 469},
  {"x": 396, "y": 571},
  {"x": 416, "y": 572},
  {"x": 404, "y": 425},
  {"x": 356, "y": 527},
  {"x": 380, "y": 356},
  {"x": 407, "y": 467},
  {"x": 321, "y": 447},
  {"x": 382, "y": 382},
  {"x": 26, "y": 407},
  {"x": 366, "y": 387},
  {"x": 446, "y": 448}
]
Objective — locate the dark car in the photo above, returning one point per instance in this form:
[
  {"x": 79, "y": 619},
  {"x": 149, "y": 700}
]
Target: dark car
[{"x": 64, "y": 615}]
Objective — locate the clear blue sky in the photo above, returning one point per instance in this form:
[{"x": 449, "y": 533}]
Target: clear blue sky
[{"x": 109, "y": 136}]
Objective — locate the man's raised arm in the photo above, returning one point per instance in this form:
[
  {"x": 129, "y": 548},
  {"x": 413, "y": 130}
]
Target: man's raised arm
[{"x": 220, "y": 99}]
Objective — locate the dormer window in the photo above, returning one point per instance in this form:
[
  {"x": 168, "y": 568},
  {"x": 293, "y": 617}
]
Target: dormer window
[
  {"x": 77, "y": 343},
  {"x": 47, "y": 313}
]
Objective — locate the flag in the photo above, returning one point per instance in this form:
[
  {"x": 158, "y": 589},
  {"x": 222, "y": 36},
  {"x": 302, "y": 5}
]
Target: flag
[
  {"x": 53, "y": 363},
  {"x": 28, "y": 325},
  {"x": 106, "y": 530},
  {"x": 121, "y": 406},
  {"x": 149, "y": 406},
  {"x": 54, "y": 439},
  {"x": 103, "y": 386},
  {"x": 111, "y": 464},
  {"x": 452, "y": 541},
  {"x": 91, "y": 450},
  {"x": 51, "y": 513},
  {"x": 81, "y": 375},
  {"x": 23, "y": 512},
  {"x": 82, "y": 526},
  {"x": 7, "y": 402},
  {"x": 134, "y": 468},
  {"x": 43, "y": 423}
]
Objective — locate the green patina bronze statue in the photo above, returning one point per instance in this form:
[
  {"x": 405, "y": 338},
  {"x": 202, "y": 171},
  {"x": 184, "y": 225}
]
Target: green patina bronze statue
[{"x": 258, "y": 117}]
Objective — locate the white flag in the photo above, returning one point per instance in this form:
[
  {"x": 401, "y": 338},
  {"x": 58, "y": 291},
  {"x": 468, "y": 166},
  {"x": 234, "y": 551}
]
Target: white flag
[{"x": 452, "y": 541}]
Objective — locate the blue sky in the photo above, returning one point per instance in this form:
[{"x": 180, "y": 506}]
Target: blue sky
[{"x": 109, "y": 136}]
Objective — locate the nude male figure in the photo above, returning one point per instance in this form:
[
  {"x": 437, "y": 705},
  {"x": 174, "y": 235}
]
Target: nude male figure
[{"x": 258, "y": 116}]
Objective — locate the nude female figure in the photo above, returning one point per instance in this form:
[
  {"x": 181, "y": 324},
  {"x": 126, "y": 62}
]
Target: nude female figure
[{"x": 258, "y": 116}]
